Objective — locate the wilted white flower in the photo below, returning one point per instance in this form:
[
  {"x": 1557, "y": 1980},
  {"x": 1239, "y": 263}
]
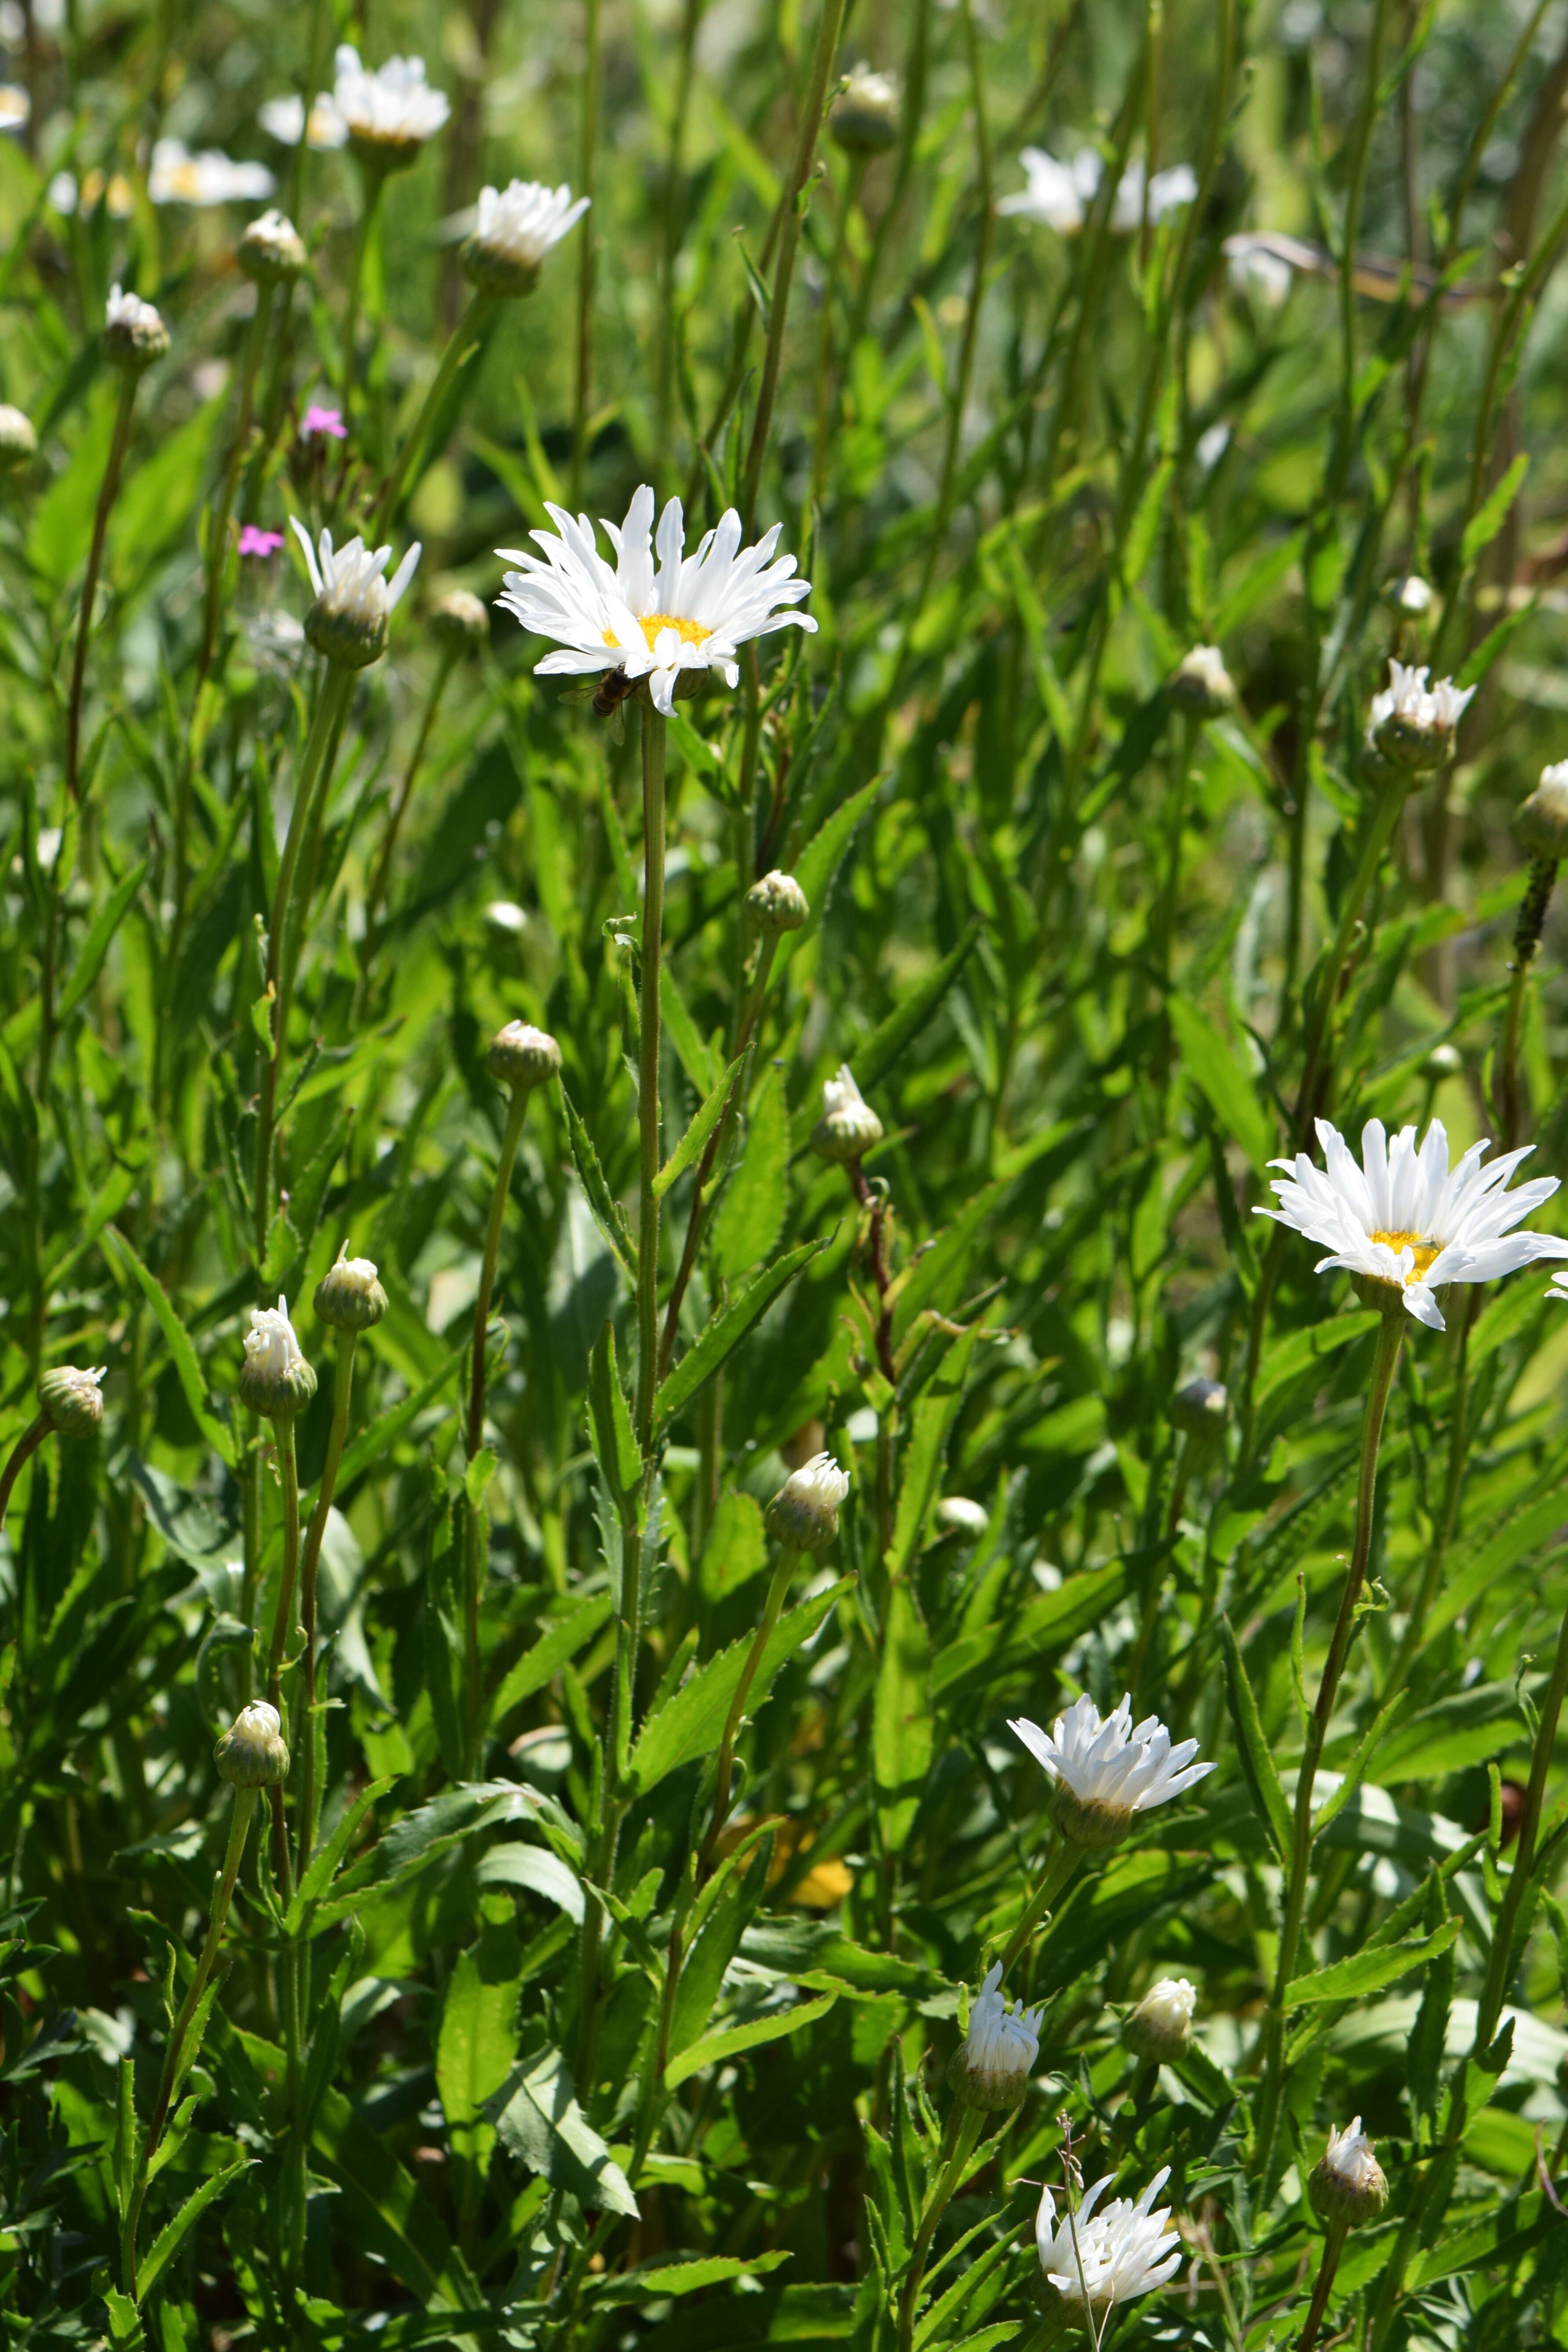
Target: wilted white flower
[
  {"x": 515, "y": 228},
  {"x": 1202, "y": 683},
  {"x": 1404, "y": 1219},
  {"x": 847, "y": 1126},
  {"x": 1347, "y": 2183},
  {"x": 253, "y": 1752},
  {"x": 687, "y": 618},
  {"x": 1412, "y": 725},
  {"x": 1105, "y": 1770},
  {"x": 390, "y": 113},
  {"x": 1161, "y": 2025},
  {"x": 134, "y": 334},
  {"x": 1100, "y": 2258},
  {"x": 15, "y": 107},
  {"x": 1058, "y": 195},
  {"x": 348, "y": 621},
  {"x": 178, "y": 177},
  {"x": 274, "y": 1379},
  {"x": 992, "y": 2067},
  {"x": 804, "y": 1513},
  {"x": 284, "y": 120}
]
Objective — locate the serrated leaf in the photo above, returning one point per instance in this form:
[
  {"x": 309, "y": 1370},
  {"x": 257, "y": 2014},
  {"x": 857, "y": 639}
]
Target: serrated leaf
[
  {"x": 690, "y": 1722},
  {"x": 545, "y": 1659},
  {"x": 1362, "y": 1972},
  {"x": 177, "y": 1340},
  {"x": 725, "y": 1333},
  {"x": 169, "y": 2238},
  {"x": 95, "y": 947},
  {"x": 538, "y": 2121},
  {"x": 717, "y": 2049},
  {"x": 1257, "y": 1756},
  {"x": 702, "y": 1124}
]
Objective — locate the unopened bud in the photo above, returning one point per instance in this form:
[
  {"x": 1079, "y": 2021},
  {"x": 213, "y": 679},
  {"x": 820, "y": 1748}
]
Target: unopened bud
[
  {"x": 863, "y": 118},
  {"x": 271, "y": 250},
  {"x": 72, "y": 1401},
  {"x": 134, "y": 333},
  {"x": 1202, "y": 683},
  {"x": 1200, "y": 1409},
  {"x": 459, "y": 622},
  {"x": 1161, "y": 2025},
  {"x": 349, "y": 1296},
  {"x": 777, "y": 903},
  {"x": 1410, "y": 596},
  {"x": 847, "y": 1126},
  {"x": 804, "y": 1513},
  {"x": 1541, "y": 820},
  {"x": 991, "y": 2068},
  {"x": 18, "y": 442},
  {"x": 1444, "y": 1061},
  {"x": 253, "y": 1752},
  {"x": 1348, "y": 2184},
  {"x": 522, "y": 1056},
  {"x": 961, "y": 1516},
  {"x": 274, "y": 1380}
]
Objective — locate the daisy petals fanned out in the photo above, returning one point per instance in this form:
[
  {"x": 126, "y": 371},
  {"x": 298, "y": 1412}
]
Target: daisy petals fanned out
[
  {"x": 1103, "y": 2258},
  {"x": 690, "y": 612},
  {"x": 1405, "y": 1219},
  {"x": 1103, "y": 1769}
]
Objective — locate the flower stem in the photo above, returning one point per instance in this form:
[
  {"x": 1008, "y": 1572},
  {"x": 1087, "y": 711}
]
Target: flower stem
[
  {"x": 462, "y": 345},
  {"x": 108, "y": 491},
  {"x": 375, "y": 188},
  {"x": 310, "y": 1791},
  {"x": 963, "y": 2126},
  {"x": 648, "y": 1076},
  {"x": 1333, "y": 2245},
  {"x": 381, "y": 872},
  {"x": 587, "y": 142},
  {"x": 219, "y": 516},
  {"x": 778, "y": 1592},
  {"x": 474, "y": 1434},
  {"x": 239, "y": 1822},
  {"x": 1526, "y": 939},
  {"x": 1059, "y": 1869},
  {"x": 1390, "y": 1336},
  {"x": 283, "y": 1615},
  {"x": 31, "y": 1437}
]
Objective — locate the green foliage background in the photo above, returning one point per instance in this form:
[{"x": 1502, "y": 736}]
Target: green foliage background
[{"x": 1074, "y": 944}]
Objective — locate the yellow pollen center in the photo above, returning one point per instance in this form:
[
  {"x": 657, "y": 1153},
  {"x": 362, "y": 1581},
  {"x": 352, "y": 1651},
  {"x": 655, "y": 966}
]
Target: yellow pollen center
[
  {"x": 1425, "y": 1251},
  {"x": 690, "y": 633}
]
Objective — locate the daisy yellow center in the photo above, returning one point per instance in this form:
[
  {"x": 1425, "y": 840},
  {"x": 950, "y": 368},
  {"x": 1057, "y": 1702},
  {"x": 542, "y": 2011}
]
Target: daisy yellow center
[
  {"x": 1424, "y": 1251},
  {"x": 690, "y": 633}
]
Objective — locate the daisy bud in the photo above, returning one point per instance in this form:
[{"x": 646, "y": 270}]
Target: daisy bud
[
  {"x": 134, "y": 333},
  {"x": 992, "y": 2066},
  {"x": 1409, "y": 597},
  {"x": 18, "y": 442},
  {"x": 459, "y": 624},
  {"x": 863, "y": 118},
  {"x": 1161, "y": 2025},
  {"x": 349, "y": 1296},
  {"x": 777, "y": 903},
  {"x": 959, "y": 1516},
  {"x": 1202, "y": 684},
  {"x": 847, "y": 1126},
  {"x": 1348, "y": 2184},
  {"x": 1200, "y": 1410},
  {"x": 253, "y": 1752},
  {"x": 804, "y": 1513},
  {"x": 71, "y": 1401},
  {"x": 1541, "y": 820},
  {"x": 1412, "y": 727},
  {"x": 271, "y": 250},
  {"x": 522, "y": 1056},
  {"x": 514, "y": 229},
  {"x": 1444, "y": 1061},
  {"x": 274, "y": 1380}
]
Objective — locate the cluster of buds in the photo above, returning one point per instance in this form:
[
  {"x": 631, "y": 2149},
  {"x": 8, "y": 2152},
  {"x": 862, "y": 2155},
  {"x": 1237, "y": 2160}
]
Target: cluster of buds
[
  {"x": 804, "y": 1513},
  {"x": 1411, "y": 726},
  {"x": 847, "y": 1126},
  {"x": 134, "y": 335},
  {"x": 1202, "y": 685},
  {"x": 991, "y": 2067}
]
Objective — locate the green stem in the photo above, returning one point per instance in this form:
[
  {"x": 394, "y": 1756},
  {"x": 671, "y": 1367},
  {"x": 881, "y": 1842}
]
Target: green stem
[
  {"x": 27, "y": 1444},
  {"x": 218, "y": 525},
  {"x": 375, "y": 188},
  {"x": 1390, "y": 1337},
  {"x": 1333, "y": 2244},
  {"x": 648, "y": 1076},
  {"x": 462, "y": 345},
  {"x": 250, "y": 1573},
  {"x": 310, "y": 1791},
  {"x": 108, "y": 491},
  {"x": 669, "y": 254},
  {"x": 587, "y": 144},
  {"x": 239, "y": 1824},
  {"x": 381, "y": 872},
  {"x": 1495, "y": 1990},
  {"x": 283, "y": 1615},
  {"x": 777, "y": 1593},
  {"x": 474, "y": 1433},
  {"x": 1059, "y": 1869},
  {"x": 964, "y": 2127},
  {"x": 1526, "y": 939},
  {"x": 827, "y": 399}
]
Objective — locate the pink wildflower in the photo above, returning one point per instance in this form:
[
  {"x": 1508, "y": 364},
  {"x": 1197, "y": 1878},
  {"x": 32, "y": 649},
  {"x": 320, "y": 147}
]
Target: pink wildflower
[
  {"x": 253, "y": 540},
  {"x": 329, "y": 421}
]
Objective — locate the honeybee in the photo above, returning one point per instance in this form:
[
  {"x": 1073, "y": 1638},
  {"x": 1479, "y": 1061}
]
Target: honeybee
[{"x": 608, "y": 697}]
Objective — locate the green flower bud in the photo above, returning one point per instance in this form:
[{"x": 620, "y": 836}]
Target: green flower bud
[
  {"x": 1541, "y": 820},
  {"x": 271, "y": 251},
  {"x": 1347, "y": 2183},
  {"x": 72, "y": 1401},
  {"x": 1200, "y": 1409},
  {"x": 522, "y": 1056},
  {"x": 460, "y": 623},
  {"x": 349, "y": 1296},
  {"x": 804, "y": 1513},
  {"x": 134, "y": 333},
  {"x": 1161, "y": 2025},
  {"x": 847, "y": 1126},
  {"x": 253, "y": 1752},
  {"x": 777, "y": 903},
  {"x": 18, "y": 442}
]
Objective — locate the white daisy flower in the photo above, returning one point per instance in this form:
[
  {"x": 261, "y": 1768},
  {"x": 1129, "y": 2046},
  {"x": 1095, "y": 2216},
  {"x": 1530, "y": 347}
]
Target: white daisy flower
[
  {"x": 691, "y": 615},
  {"x": 1103, "y": 1769},
  {"x": 1058, "y": 195},
  {"x": 992, "y": 2067},
  {"x": 284, "y": 119},
  {"x": 1413, "y": 724},
  {"x": 178, "y": 177},
  {"x": 1103, "y": 2258},
  {"x": 15, "y": 107},
  {"x": 348, "y": 621},
  {"x": 1406, "y": 1219},
  {"x": 390, "y": 113},
  {"x": 514, "y": 229}
]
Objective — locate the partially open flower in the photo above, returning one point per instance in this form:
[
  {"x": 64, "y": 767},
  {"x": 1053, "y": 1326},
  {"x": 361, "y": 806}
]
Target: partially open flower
[
  {"x": 1541, "y": 820},
  {"x": 514, "y": 229},
  {"x": 389, "y": 113},
  {"x": 863, "y": 118},
  {"x": 459, "y": 622},
  {"x": 847, "y": 1126},
  {"x": 274, "y": 1380},
  {"x": 1104, "y": 1771},
  {"x": 1200, "y": 1410},
  {"x": 271, "y": 249},
  {"x": 992, "y": 2066},
  {"x": 522, "y": 1056},
  {"x": 72, "y": 1401},
  {"x": 253, "y": 1752},
  {"x": 18, "y": 442},
  {"x": 777, "y": 903},
  {"x": 134, "y": 334},
  {"x": 354, "y": 604},
  {"x": 1348, "y": 2184},
  {"x": 1202, "y": 683},
  {"x": 1161, "y": 2025},
  {"x": 1099, "y": 2260},
  {"x": 349, "y": 1296},
  {"x": 1412, "y": 726},
  {"x": 804, "y": 1513}
]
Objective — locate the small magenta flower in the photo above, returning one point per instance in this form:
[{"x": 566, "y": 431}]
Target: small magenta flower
[
  {"x": 327, "y": 422},
  {"x": 254, "y": 540}
]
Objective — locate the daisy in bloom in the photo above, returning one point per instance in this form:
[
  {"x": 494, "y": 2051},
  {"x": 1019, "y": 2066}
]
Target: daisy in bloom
[
  {"x": 178, "y": 177},
  {"x": 1404, "y": 1219},
  {"x": 1412, "y": 724},
  {"x": 1103, "y": 1769},
  {"x": 389, "y": 113},
  {"x": 1058, "y": 195},
  {"x": 284, "y": 119},
  {"x": 1102, "y": 2258},
  {"x": 514, "y": 228},
  {"x": 997, "y": 2056},
  {"x": 690, "y": 615},
  {"x": 348, "y": 621}
]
